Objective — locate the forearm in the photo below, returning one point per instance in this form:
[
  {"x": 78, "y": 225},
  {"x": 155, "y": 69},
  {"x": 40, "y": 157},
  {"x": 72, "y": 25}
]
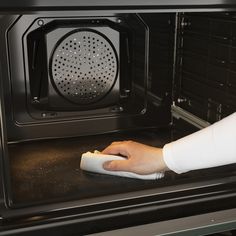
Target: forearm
[{"x": 210, "y": 147}]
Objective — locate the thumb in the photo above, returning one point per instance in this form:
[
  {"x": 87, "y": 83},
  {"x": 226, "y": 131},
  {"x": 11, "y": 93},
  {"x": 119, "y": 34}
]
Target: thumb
[{"x": 121, "y": 165}]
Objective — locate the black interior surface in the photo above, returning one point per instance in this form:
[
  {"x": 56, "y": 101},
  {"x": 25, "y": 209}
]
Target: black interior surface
[
  {"x": 48, "y": 171},
  {"x": 206, "y": 72}
]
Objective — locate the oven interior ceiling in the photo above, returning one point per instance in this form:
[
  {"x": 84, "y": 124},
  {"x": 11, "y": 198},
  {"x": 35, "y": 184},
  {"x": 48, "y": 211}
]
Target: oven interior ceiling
[{"x": 79, "y": 83}]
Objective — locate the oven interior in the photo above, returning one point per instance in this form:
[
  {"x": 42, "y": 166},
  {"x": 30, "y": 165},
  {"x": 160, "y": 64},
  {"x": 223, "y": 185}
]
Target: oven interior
[{"x": 76, "y": 83}]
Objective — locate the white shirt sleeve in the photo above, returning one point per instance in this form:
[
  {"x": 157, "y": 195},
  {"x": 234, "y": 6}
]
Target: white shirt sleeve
[{"x": 209, "y": 147}]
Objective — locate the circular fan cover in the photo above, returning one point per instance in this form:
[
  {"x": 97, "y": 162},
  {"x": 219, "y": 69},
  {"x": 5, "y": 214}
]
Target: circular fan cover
[{"x": 84, "y": 66}]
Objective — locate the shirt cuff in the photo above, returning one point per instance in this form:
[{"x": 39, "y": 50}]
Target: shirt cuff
[{"x": 169, "y": 160}]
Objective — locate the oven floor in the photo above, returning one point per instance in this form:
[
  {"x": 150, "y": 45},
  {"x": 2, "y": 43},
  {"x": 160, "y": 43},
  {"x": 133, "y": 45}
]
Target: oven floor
[{"x": 48, "y": 171}]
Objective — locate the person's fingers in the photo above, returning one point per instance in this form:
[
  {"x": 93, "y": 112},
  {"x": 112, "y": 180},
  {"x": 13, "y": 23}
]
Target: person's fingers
[
  {"x": 116, "y": 148},
  {"x": 121, "y": 165},
  {"x": 110, "y": 148},
  {"x": 117, "y": 142}
]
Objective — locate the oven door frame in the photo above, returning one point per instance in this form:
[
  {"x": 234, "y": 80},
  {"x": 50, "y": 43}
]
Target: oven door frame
[{"x": 67, "y": 218}]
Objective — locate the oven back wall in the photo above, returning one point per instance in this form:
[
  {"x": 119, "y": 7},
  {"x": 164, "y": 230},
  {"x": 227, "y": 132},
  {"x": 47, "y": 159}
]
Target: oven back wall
[{"x": 42, "y": 104}]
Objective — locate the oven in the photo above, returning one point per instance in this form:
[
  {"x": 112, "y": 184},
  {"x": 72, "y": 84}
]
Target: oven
[{"x": 76, "y": 76}]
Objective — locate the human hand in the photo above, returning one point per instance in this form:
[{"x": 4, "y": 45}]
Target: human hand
[{"x": 141, "y": 159}]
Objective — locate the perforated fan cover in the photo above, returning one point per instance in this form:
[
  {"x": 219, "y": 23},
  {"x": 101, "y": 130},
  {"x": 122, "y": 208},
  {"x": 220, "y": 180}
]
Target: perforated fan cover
[{"x": 84, "y": 66}]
